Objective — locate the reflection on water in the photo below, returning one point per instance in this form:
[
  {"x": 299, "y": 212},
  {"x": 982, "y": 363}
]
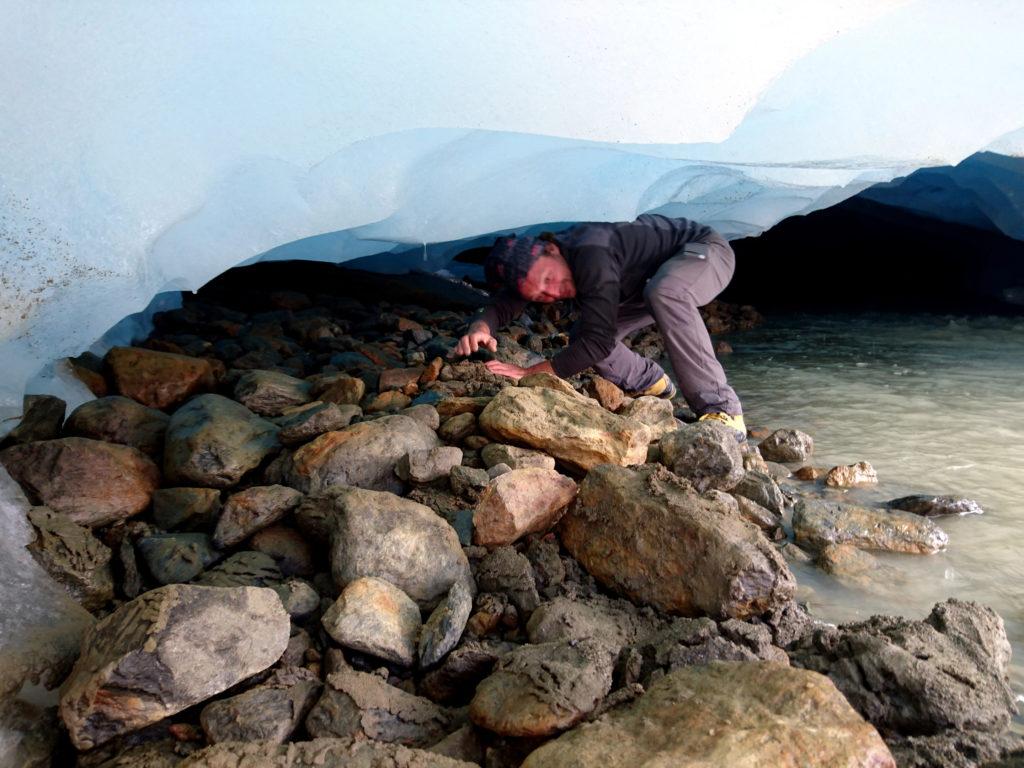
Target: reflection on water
[{"x": 936, "y": 405}]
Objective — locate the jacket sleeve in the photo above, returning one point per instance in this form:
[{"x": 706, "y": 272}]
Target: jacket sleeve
[
  {"x": 506, "y": 308},
  {"x": 597, "y": 294}
]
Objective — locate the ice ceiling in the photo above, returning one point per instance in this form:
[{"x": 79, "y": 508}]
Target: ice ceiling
[{"x": 147, "y": 147}]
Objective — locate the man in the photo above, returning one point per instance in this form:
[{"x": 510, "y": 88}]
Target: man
[{"x": 624, "y": 276}]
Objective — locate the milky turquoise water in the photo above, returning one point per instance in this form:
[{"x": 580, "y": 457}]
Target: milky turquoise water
[{"x": 936, "y": 405}]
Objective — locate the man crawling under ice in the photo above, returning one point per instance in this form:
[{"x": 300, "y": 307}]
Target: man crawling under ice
[{"x": 624, "y": 276}]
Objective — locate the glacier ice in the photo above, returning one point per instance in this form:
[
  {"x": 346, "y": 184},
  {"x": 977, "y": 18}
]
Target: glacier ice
[{"x": 148, "y": 147}]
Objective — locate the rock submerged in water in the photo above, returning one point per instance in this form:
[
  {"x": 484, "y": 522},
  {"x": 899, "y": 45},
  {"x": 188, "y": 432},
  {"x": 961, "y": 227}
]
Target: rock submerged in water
[
  {"x": 936, "y": 506},
  {"x": 817, "y": 524}
]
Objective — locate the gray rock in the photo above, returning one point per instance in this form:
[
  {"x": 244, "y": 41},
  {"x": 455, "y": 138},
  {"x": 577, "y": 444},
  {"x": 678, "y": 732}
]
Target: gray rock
[
  {"x": 425, "y": 414},
  {"x": 118, "y": 419},
  {"x": 706, "y": 454},
  {"x": 287, "y": 547},
  {"x": 269, "y": 393},
  {"x": 762, "y": 490},
  {"x": 515, "y": 457},
  {"x": 443, "y": 630},
  {"x": 498, "y": 470},
  {"x": 948, "y": 671},
  {"x": 373, "y": 533},
  {"x": 615, "y": 622},
  {"x": 857, "y": 568},
  {"x": 375, "y": 617},
  {"x": 298, "y": 597},
  {"x": 428, "y": 465},
  {"x": 655, "y": 412},
  {"x": 186, "y": 508},
  {"x": 269, "y": 713},
  {"x": 311, "y": 422},
  {"x": 505, "y": 571},
  {"x": 212, "y": 441},
  {"x": 176, "y": 558},
  {"x": 457, "y": 428},
  {"x": 72, "y": 556},
  {"x": 317, "y": 754},
  {"x": 934, "y": 506},
  {"x": 165, "y": 651},
  {"x": 819, "y": 523},
  {"x": 251, "y": 510},
  {"x": 763, "y": 518},
  {"x": 243, "y": 569},
  {"x": 41, "y": 419},
  {"x": 786, "y": 445},
  {"x": 456, "y": 678},
  {"x": 467, "y": 482}
]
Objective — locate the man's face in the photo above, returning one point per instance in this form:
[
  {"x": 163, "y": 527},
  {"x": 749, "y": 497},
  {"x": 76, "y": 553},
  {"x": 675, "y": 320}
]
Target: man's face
[{"x": 549, "y": 279}]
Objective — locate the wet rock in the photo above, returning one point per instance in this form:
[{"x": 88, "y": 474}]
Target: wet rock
[
  {"x": 607, "y": 394},
  {"x": 934, "y": 506},
  {"x": 175, "y": 558},
  {"x": 92, "y": 482},
  {"x": 363, "y": 455},
  {"x": 691, "y": 718},
  {"x": 120, "y": 420},
  {"x": 468, "y": 482},
  {"x": 165, "y": 651},
  {"x": 519, "y": 502},
  {"x": 269, "y": 393},
  {"x": 808, "y": 474},
  {"x": 785, "y": 445},
  {"x": 794, "y": 553},
  {"x": 213, "y": 441},
  {"x": 243, "y": 569},
  {"x": 41, "y": 419},
  {"x": 538, "y": 690},
  {"x": 443, "y": 630},
  {"x": 340, "y": 389},
  {"x": 505, "y": 571},
  {"x": 363, "y": 706},
  {"x": 187, "y": 508},
  {"x": 566, "y": 427},
  {"x": 299, "y": 598},
  {"x": 72, "y": 556},
  {"x": 819, "y": 523},
  {"x": 649, "y": 536},
  {"x": 706, "y": 454},
  {"x": 316, "y": 754},
  {"x": 515, "y": 457},
  {"x": 764, "y": 519},
  {"x": 776, "y": 470},
  {"x": 455, "y": 680},
  {"x": 919, "y": 677},
  {"x": 251, "y": 510},
  {"x": 375, "y": 617},
  {"x": 762, "y": 490},
  {"x": 860, "y": 473},
  {"x": 655, "y": 412},
  {"x": 374, "y": 533},
  {"x": 159, "y": 379},
  {"x": 429, "y": 464},
  {"x": 269, "y": 713},
  {"x": 302, "y": 426},
  {"x": 287, "y": 547}
]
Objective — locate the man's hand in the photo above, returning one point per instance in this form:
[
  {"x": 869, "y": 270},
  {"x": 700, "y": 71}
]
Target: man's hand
[
  {"x": 515, "y": 372},
  {"x": 479, "y": 335}
]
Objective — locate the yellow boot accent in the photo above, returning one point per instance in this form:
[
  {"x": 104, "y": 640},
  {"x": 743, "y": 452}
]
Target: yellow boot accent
[
  {"x": 663, "y": 388},
  {"x": 735, "y": 423}
]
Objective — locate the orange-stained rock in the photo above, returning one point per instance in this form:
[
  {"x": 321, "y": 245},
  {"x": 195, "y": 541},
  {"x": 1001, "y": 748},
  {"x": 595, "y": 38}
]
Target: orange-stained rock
[
  {"x": 520, "y": 502},
  {"x": 160, "y": 379},
  {"x": 606, "y": 393}
]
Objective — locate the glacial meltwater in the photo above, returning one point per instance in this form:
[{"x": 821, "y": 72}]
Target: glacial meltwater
[{"x": 936, "y": 405}]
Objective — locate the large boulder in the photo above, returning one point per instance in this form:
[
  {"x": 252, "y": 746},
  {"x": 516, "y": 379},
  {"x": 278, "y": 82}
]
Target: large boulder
[
  {"x": 213, "y": 441},
  {"x": 706, "y": 454},
  {"x": 117, "y": 419},
  {"x": 948, "y": 671},
  {"x": 648, "y": 535},
  {"x": 572, "y": 429},
  {"x": 817, "y": 524},
  {"x": 92, "y": 482},
  {"x": 159, "y": 379},
  {"x": 165, "y": 651},
  {"x": 375, "y": 533},
  {"x": 727, "y": 714},
  {"x": 364, "y": 455},
  {"x": 73, "y": 556},
  {"x": 519, "y": 502}
]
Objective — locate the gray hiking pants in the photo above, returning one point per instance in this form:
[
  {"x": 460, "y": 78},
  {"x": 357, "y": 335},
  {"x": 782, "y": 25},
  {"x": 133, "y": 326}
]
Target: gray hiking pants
[{"x": 670, "y": 299}]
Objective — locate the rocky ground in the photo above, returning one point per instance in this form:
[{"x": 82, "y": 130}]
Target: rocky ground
[{"x": 309, "y": 538}]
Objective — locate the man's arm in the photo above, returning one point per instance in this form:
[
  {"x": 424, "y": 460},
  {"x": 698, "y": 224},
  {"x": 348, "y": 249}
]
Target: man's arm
[{"x": 503, "y": 311}]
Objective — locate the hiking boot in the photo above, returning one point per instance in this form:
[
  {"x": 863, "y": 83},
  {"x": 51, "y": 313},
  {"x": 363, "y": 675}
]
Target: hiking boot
[
  {"x": 734, "y": 423},
  {"x": 663, "y": 388}
]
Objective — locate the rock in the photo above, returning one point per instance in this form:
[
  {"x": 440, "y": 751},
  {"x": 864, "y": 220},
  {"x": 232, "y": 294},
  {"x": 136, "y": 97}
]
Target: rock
[
  {"x": 455, "y": 680},
  {"x": 934, "y": 506},
  {"x": 388, "y": 401},
  {"x": 159, "y": 379},
  {"x": 514, "y": 457},
  {"x": 287, "y": 547},
  {"x": 375, "y": 617},
  {"x": 607, "y": 394},
  {"x": 857, "y": 568},
  {"x": 948, "y": 671},
  {"x": 958, "y": 749},
  {"x": 72, "y": 556},
  {"x": 728, "y": 714},
  {"x": 762, "y": 490},
  {"x": 188, "y": 508},
  {"x": 453, "y": 406},
  {"x": 785, "y": 445},
  {"x": 243, "y": 569},
  {"x": 775, "y": 470},
  {"x": 92, "y": 482},
  {"x": 213, "y": 441},
  {"x": 649, "y": 536},
  {"x": 304, "y": 425},
  {"x": 299, "y": 598},
  {"x": 443, "y": 630},
  {"x": 468, "y": 482},
  {"x": 339, "y": 388},
  {"x": 763, "y": 518},
  {"x": 519, "y": 502},
  {"x": 316, "y": 754},
  {"x": 467, "y": 743},
  {"x": 120, "y": 420},
  {"x": 41, "y": 419},
  {"x": 432, "y": 370},
  {"x": 555, "y": 383},
  {"x": 457, "y": 428},
  {"x": 88, "y": 369},
  {"x": 819, "y": 523},
  {"x": 175, "y": 558},
  {"x": 165, "y": 651},
  {"x": 505, "y": 571},
  {"x": 268, "y": 713},
  {"x": 564, "y": 426},
  {"x": 706, "y": 454},
  {"x": 429, "y": 464},
  {"x": 269, "y": 393},
  {"x": 539, "y": 690},
  {"x": 655, "y": 412},
  {"x": 860, "y": 473},
  {"x": 374, "y": 533},
  {"x": 425, "y": 414},
  {"x": 362, "y": 706},
  {"x": 251, "y": 510},
  {"x": 809, "y": 473},
  {"x": 405, "y": 379},
  {"x": 616, "y": 623},
  {"x": 363, "y": 455}
]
